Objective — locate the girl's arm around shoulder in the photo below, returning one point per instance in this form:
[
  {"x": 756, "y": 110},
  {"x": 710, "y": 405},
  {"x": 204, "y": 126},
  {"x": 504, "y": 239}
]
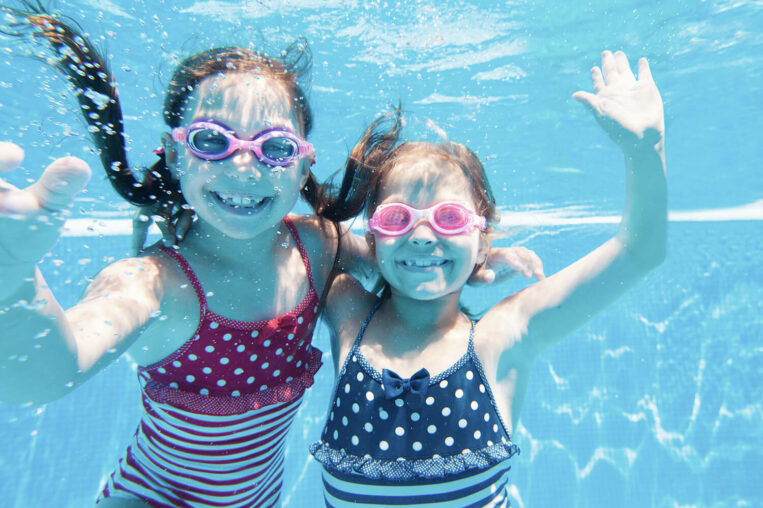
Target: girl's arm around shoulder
[
  {"x": 48, "y": 351},
  {"x": 347, "y": 307},
  {"x": 320, "y": 238}
]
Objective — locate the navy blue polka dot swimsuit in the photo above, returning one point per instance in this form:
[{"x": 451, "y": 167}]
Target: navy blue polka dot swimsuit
[{"x": 390, "y": 441}]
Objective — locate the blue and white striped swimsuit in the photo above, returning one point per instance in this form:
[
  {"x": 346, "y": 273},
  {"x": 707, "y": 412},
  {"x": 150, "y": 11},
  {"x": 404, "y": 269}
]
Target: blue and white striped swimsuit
[{"x": 446, "y": 447}]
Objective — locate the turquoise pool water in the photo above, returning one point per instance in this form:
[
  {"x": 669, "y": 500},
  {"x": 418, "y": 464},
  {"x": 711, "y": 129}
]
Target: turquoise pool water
[{"x": 655, "y": 402}]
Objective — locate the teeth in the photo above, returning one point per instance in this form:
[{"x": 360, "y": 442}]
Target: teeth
[
  {"x": 424, "y": 263},
  {"x": 239, "y": 200}
]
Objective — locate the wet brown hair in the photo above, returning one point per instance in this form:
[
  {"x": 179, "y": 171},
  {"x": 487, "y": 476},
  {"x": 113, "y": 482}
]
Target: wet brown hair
[
  {"x": 86, "y": 69},
  {"x": 459, "y": 155},
  {"x": 377, "y": 153}
]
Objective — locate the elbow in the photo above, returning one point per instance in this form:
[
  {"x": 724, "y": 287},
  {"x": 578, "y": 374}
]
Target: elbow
[
  {"x": 658, "y": 250},
  {"x": 647, "y": 250},
  {"x": 649, "y": 258}
]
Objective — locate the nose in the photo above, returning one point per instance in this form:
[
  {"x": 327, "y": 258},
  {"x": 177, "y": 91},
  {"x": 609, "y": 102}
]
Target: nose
[
  {"x": 422, "y": 234},
  {"x": 244, "y": 165}
]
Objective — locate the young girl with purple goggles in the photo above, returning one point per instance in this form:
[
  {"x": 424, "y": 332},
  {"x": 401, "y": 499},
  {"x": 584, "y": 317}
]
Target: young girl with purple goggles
[{"x": 209, "y": 140}]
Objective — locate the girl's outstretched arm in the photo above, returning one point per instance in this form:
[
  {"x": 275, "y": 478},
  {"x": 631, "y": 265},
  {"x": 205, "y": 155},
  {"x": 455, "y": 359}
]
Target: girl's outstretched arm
[
  {"x": 44, "y": 351},
  {"x": 630, "y": 112}
]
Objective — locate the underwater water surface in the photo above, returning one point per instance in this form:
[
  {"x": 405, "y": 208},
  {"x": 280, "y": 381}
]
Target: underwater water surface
[{"x": 654, "y": 402}]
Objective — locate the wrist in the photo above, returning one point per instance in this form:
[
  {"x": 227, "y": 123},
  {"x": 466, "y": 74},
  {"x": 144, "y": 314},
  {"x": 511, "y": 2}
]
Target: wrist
[{"x": 649, "y": 144}]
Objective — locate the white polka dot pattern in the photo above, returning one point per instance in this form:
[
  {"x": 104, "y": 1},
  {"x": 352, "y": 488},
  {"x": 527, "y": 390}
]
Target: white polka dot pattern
[
  {"x": 413, "y": 437},
  {"x": 454, "y": 415},
  {"x": 211, "y": 364}
]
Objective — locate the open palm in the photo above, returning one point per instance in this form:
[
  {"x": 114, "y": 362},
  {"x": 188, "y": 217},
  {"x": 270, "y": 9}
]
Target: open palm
[
  {"x": 628, "y": 109},
  {"x": 30, "y": 218}
]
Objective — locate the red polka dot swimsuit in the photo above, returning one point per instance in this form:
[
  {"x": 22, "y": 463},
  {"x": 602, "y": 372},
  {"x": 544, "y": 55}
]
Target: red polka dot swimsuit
[{"x": 216, "y": 411}]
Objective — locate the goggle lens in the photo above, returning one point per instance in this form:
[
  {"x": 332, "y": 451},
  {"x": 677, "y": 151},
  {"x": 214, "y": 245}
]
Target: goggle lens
[
  {"x": 279, "y": 149},
  {"x": 208, "y": 141},
  {"x": 451, "y": 217},
  {"x": 394, "y": 218}
]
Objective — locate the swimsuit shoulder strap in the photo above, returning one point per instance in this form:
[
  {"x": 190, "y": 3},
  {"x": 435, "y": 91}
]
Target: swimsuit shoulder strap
[
  {"x": 302, "y": 250},
  {"x": 190, "y": 275},
  {"x": 362, "y": 330},
  {"x": 356, "y": 344},
  {"x": 470, "y": 346}
]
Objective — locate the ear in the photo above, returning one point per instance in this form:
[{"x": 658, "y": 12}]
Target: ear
[
  {"x": 486, "y": 241},
  {"x": 169, "y": 146},
  {"x": 304, "y": 172}
]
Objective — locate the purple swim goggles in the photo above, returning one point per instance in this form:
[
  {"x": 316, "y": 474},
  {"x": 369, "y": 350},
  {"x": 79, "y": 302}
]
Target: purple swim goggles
[{"x": 211, "y": 141}]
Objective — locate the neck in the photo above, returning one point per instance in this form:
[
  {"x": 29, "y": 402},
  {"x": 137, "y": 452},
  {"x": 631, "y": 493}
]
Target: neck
[
  {"x": 418, "y": 322},
  {"x": 205, "y": 240}
]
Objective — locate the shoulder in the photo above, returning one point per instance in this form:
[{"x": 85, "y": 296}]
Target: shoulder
[
  {"x": 503, "y": 331},
  {"x": 319, "y": 238},
  {"x": 315, "y": 233},
  {"x": 136, "y": 276},
  {"x": 348, "y": 299},
  {"x": 347, "y": 306}
]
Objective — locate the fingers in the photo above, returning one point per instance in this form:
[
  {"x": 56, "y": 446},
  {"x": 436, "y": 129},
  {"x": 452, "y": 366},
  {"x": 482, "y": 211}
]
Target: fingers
[
  {"x": 623, "y": 68},
  {"x": 644, "y": 72},
  {"x": 482, "y": 277},
  {"x": 537, "y": 265},
  {"x": 526, "y": 267},
  {"x": 597, "y": 79},
  {"x": 60, "y": 182},
  {"x": 11, "y": 156},
  {"x": 167, "y": 229},
  {"x": 615, "y": 69},
  {"x": 184, "y": 223},
  {"x": 589, "y": 100},
  {"x": 586, "y": 98},
  {"x": 609, "y": 67},
  {"x": 140, "y": 224},
  {"x": 139, "y": 234}
]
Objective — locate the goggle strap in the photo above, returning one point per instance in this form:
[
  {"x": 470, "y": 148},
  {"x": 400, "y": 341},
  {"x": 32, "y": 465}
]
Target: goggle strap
[{"x": 178, "y": 134}]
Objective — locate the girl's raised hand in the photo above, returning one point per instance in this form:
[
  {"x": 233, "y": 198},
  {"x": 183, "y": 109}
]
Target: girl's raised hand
[
  {"x": 628, "y": 109},
  {"x": 504, "y": 262},
  {"x": 30, "y": 218}
]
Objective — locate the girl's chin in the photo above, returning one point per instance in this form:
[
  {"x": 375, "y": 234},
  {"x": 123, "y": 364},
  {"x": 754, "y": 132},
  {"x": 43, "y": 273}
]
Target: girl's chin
[{"x": 426, "y": 293}]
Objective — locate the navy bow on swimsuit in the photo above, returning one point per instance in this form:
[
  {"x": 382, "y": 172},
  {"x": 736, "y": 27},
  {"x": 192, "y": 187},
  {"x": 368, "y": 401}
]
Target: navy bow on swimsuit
[{"x": 394, "y": 385}]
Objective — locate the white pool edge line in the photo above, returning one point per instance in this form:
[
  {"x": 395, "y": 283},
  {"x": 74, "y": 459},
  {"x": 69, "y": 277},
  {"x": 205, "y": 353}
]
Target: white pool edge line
[{"x": 83, "y": 227}]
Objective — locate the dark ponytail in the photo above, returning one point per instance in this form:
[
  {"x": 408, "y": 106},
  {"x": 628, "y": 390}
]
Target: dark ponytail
[
  {"x": 346, "y": 198},
  {"x": 87, "y": 70}
]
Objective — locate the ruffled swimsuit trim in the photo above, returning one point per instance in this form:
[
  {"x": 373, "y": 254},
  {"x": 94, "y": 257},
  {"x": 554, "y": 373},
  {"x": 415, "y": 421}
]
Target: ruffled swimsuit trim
[{"x": 403, "y": 470}]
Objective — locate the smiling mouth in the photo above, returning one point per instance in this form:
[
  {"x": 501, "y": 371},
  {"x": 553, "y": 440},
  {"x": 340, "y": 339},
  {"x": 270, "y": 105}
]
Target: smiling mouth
[
  {"x": 423, "y": 264},
  {"x": 241, "y": 204}
]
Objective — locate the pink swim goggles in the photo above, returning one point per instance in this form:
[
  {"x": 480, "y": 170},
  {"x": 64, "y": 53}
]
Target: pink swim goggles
[
  {"x": 446, "y": 218},
  {"x": 211, "y": 141}
]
